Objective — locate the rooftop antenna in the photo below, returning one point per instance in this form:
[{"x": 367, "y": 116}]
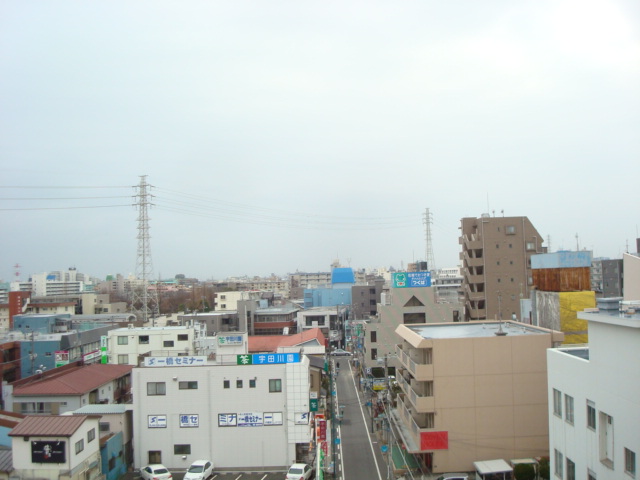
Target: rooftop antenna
[
  {"x": 17, "y": 271},
  {"x": 500, "y": 332},
  {"x": 577, "y": 244}
]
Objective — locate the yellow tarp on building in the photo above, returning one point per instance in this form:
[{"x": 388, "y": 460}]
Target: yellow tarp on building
[{"x": 575, "y": 330}]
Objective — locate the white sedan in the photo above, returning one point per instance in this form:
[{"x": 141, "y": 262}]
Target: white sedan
[
  {"x": 338, "y": 352},
  {"x": 199, "y": 470},
  {"x": 155, "y": 471}
]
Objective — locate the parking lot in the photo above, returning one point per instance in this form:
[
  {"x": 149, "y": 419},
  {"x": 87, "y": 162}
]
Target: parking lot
[
  {"x": 249, "y": 476},
  {"x": 178, "y": 475}
]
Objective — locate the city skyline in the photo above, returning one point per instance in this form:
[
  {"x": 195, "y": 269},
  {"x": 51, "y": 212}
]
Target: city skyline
[{"x": 282, "y": 137}]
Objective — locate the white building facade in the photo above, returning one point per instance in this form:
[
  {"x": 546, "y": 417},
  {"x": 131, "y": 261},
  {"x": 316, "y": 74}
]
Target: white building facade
[
  {"x": 54, "y": 448},
  {"x": 125, "y": 345},
  {"x": 594, "y": 402},
  {"x": 241, "y": 413}
]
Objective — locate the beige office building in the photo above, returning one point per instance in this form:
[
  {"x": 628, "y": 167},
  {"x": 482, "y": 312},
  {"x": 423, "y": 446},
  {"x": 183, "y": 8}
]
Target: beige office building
[
  {"x": 472, "y": 391},
  {"x": 496, "y": 265}
]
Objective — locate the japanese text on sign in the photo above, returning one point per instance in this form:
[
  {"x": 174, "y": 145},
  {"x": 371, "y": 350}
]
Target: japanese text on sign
[{"x": 175, "y": 361}]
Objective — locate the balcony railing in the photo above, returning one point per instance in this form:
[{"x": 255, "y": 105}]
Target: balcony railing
[
  {"x": 421, "y": 402},
  {"x": 419, "y": 371}
]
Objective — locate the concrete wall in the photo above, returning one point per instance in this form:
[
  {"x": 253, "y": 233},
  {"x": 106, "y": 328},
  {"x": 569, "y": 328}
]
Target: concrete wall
[{"x": 259, "y": 447}]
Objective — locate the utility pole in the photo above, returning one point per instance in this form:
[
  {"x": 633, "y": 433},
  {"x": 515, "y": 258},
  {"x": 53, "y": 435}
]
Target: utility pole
[{"x": 140, "y": 295}]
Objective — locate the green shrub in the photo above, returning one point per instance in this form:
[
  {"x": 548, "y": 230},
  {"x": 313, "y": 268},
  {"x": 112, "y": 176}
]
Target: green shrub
[{"x": 524, "y": 471}]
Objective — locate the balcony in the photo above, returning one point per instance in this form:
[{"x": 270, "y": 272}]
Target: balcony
[
  {"x": 476, "y": 313},
  {"x": 471, "y": 242},
  {"x": 472, "y": 261},
  {"x": 416, "y": 425},
  {"x": 473, "y": 279},
  {"x": 471, "y": 295},
  {"x": 419, "y": 371},
  {"x": 422, "y": 402}
]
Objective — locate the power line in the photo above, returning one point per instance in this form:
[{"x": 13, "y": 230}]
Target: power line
[{"x": 62, "y": 208}]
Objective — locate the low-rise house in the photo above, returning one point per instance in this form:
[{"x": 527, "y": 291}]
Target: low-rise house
[
  {"x": 66, "y": 389},
  {"x": 54, "y": 447},
  {"x": 116, "y": 437}
]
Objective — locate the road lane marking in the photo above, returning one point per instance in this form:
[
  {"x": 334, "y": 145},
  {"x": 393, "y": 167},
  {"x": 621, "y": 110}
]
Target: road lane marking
[{"x": 364, "y": 419}]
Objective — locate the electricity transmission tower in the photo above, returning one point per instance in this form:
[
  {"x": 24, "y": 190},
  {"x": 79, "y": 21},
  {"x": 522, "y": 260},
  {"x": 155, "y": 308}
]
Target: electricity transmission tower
[
  {"x": 431, "y": 262},
  {"x": 144, "y": 303}
]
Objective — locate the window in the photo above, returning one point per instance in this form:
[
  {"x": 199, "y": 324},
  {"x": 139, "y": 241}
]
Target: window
[
  {"x": 188, "y": 385},
  {"x": 510, "y": 230},
  {"x": 156, "y": 388},
  {"x": 123, "y": 340},
  {"x": 252, "y": 383},
  {"x": 182, "y": 449},
  {"x": 591, "y": 475},
  {"x": 430, "y": 419},
  {"x": 374, "y": 354},
  {"x": 223, "y": 306},
  {"x": 79, "y": 446},
  {"x": 104, "y": 427},
  {"x": 510, "y": 245},
  {"x": 374, "y": 336},
  {"x": 91, "y": 435},
  {"x": 568, "y": 409},
  {"x": 226, "y": 384},
  {"x": 238, "y": 383},
  {"x": 275, "y": 385},
  {"x": 558, "y": 463},
  {"x": 630, "y": 462},
  {"x": 167, "y": 343},
  {"x": 571, "y": 469},
  {"x": 123, "y": 359},
  {"x": 531, "y": 246},
  {"x": 591, "y": 415},
  {"x": 557, "y": 403},
  {"x": 143, "y": 339},
  {"x": 183, "y": 337}
]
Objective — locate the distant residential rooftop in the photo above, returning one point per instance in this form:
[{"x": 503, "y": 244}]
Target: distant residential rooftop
[{"x": 475, "y": 329}]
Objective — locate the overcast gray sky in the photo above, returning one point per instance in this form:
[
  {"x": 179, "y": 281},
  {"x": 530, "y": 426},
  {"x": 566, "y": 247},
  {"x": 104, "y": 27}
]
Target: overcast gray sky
[{"x": 280, "y": 135}]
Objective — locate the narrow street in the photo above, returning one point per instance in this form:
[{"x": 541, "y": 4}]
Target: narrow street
[{"x": 359, "y": 455}]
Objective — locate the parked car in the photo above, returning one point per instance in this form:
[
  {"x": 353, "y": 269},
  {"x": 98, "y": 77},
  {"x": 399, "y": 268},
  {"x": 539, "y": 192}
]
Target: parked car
[
  {"x": 453, "y": 476},
  {"x": 340, "y": 353},
  {"x": 199, "y": 470},
  {"x": 155, "y": 471},
  {"x": 299, "y": 471}
]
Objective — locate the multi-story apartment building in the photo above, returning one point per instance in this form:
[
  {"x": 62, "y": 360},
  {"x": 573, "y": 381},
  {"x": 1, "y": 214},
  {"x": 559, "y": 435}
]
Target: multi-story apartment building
[
  {"x": 594, "y": 401},
  {"x": 448, "y": 285},
  {"x": 365, "y": 299},
  {"x": 496, "y": 264},
  {"x": 54, "y": 283},
  {"x": 472, "y": 392},
  {"x": 402, "y": 306}
]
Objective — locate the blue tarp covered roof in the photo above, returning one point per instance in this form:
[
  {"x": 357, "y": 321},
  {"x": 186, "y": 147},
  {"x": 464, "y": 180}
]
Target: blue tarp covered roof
[{"x": 343, "y": 275}]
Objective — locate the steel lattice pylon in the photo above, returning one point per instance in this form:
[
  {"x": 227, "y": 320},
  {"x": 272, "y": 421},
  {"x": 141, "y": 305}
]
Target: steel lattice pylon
[{"x": 144, "y": 303}]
